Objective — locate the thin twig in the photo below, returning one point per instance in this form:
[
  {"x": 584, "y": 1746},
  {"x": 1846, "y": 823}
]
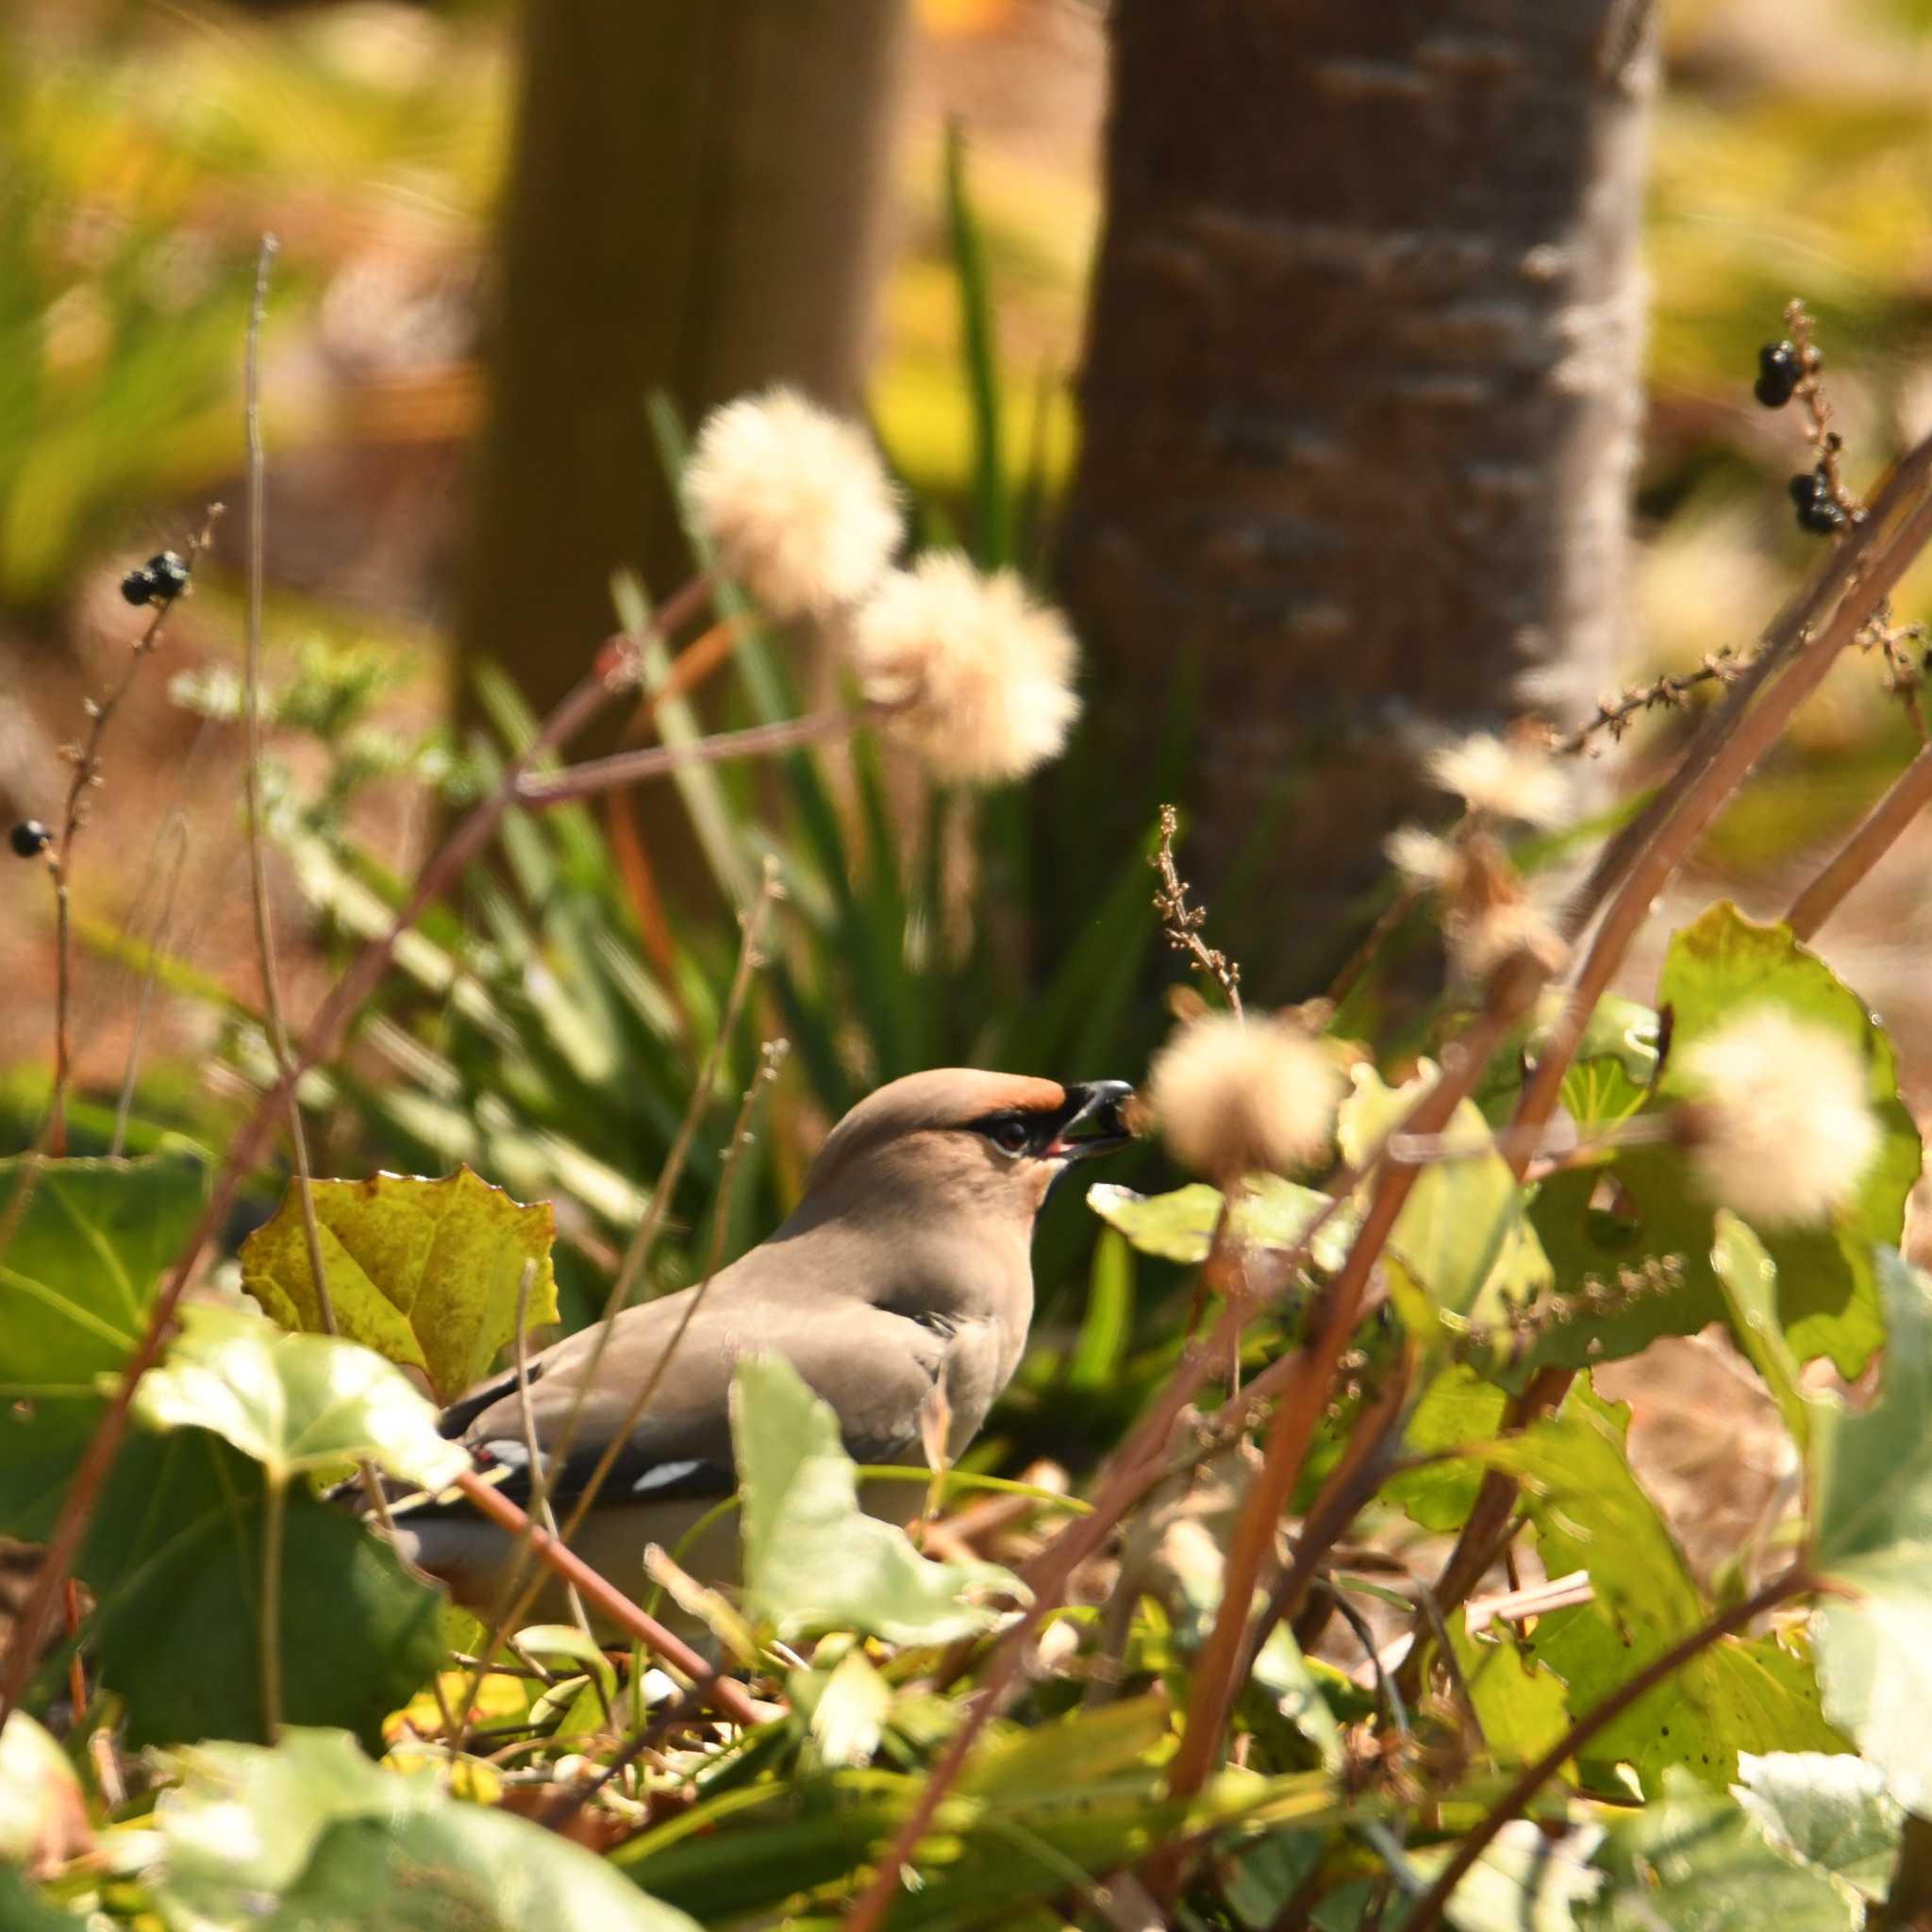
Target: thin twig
[
  {"x": 1875, "y": 835},
  {"x": 539, "y": 1510},
  {"x": 277, "y": 1027},
  {"x": 613, "y": 672},
  {"x": 1669, "y": 692},
  {"x": 770, "y": 1061},
  {"x": 724, "y": 1692},
  {"x": 1861, "y": 571},
  {"x": 1430, "y": 1907},
  {"x": 273, "y": 1518},
  {"x": 86, "y": 761},
  {"x": 1182, "y": 923},
  {"x": 541, "y": 789},
  {"x": 518, "y": 1591},
  {"x": 1299, "y": 1411}
]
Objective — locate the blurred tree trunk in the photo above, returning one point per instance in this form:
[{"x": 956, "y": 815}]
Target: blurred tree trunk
[
  {"x": 1360, "y": 403},
  {"x": 692, "y": 206}
]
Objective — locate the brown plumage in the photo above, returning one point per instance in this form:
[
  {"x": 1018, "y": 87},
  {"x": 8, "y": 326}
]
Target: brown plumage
[{"x": 904, "y": 1269}]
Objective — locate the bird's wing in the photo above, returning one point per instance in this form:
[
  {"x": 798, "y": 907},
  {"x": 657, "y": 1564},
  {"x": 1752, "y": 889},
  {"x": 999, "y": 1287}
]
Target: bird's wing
[{"x": 876, "y": 1369}]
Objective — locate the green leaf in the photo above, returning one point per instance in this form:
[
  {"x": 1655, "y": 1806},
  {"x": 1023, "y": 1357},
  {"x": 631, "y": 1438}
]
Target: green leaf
[
  {"x": 1525, "y": 1882},
  {"x": 311, "y": 1834},
  {"x": 424, "y": 1272},
  {"x": 175, "y": 1561},
  {"x": 1459, "y": 1410},
  {"x": 1748, "y": 1277},
  {"x": 1870, "y": 1505},
  {"x": 1827, "y": 1293},
  {"x": 1180, "y": 1225},
  {"x": 1694, "y": 1861},
  {"x": 1522, "y": 1707},
  {"x": 1462, "y": 1235},
  {"x": 1741, "y": 1694},
  {"x": 813, "y": 1560},
  {"x": 1833, "y": 1812},
  {"x": 295, "y": 1403},
  {"x": 77, "y": 1277}
]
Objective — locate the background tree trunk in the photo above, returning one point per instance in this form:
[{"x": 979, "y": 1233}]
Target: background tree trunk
[
  {"x": 1360, "y": 401},
  {"x": 692, "y": 206}
]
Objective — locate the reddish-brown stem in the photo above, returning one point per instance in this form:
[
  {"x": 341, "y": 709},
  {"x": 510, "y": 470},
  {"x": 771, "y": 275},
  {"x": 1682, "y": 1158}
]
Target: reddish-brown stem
[
  {"x": 1800, "y": 647},
  {"x": 1299, "y": 1412},
  {"x": 1869, "y": 560},
  {"x": 1129, "y": 1475},
  {"x": 722, "y": 1692},
  {"x": 615, "y": 672},
  {"x": 1903, "y": 519},
  {"x": 1428, "y": 1909},
  {"x": 1877, "y": 833}
]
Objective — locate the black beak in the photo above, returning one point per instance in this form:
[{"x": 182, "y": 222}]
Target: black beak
[{"x": 1093, "y": 1122}]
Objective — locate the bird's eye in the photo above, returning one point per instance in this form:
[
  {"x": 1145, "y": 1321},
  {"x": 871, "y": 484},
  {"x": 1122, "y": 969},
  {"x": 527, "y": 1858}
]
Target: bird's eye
[{"x": 1010, "y": 1136}]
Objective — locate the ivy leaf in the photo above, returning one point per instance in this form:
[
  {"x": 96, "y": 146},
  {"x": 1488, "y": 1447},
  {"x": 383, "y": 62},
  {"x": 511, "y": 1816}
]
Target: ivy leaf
[
  {"x": 1871, "y": 1497},
  {"x": 77, "y": 1277},
  {"x": 1694, "y": 1861},
  {"x": 1180, "y": 1225},
  {"x": 424, "y": 1272},
  {"x": 312, "y": 1833},
  {"x": 175, "y": 1561},
  {"x": 1828, "y": 1301},
  {"x": 295, "y": 1402},
  {"x": 813, "y": 1560},
  {"x": 1590, "y": 1513},
  {"x": 1831, "y": 1812}
]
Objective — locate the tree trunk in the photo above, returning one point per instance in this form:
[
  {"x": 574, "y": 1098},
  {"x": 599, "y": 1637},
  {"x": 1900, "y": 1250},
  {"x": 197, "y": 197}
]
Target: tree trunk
[
  {"x": 691, "y": 207},
  {"x": 1360, "y": 402}
]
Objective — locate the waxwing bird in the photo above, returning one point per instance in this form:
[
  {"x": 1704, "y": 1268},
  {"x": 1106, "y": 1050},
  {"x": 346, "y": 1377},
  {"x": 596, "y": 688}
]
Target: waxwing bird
[{"x": 901, "y": 1289}]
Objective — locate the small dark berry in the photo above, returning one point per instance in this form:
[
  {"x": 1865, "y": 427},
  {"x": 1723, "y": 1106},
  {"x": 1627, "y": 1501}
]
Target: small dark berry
[
  {"x": 1819, "y": 511},
  {"x": 138, "y": 586},
  {"x": 1779, "y": 372},
  {"x": 29, "y": 839},
  {"x": 168, "y": 574}
]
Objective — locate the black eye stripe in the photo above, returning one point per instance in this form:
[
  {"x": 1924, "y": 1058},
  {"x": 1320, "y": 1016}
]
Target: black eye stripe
[{"x": 1009, "y": 1132}]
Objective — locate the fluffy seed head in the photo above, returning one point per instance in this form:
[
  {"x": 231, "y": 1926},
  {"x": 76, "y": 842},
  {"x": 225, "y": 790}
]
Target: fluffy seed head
[
  {"x": 1232, "y": 1097},
  {"x": 1783, "y": 1131},
  {"x": 976, "y": 678},
  {"x": 794, "y": 501},
  {"x": 1424, "y": 860},
  {"x": 1505, "y": 778},
  {"x": 1495, "y": 936}
]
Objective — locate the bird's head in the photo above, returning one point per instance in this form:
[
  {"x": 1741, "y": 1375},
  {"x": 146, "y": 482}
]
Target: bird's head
[{"x": 956, "y": 1138}]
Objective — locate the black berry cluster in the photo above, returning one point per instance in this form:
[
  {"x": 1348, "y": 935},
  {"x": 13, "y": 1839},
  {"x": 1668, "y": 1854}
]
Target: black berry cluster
[
  {"x": 159, "y": 581},
  {"x": 1818, "y": 510},
  {"x": 1780, "y": 369},
  {"x": 29, "y": 839}
]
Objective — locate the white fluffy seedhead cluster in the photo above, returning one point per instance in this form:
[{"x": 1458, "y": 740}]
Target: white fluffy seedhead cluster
[
  {"x": 973, "y": 676},
  {"x": 1232, "y": 1097},
  {"x": 1783, "y": 1130},
  {"x": 1504, "y": 778},
  {"x": 796, "y": 503}
]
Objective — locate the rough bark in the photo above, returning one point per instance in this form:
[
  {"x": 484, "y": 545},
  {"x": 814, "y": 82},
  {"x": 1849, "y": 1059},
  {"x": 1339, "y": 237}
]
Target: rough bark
[
  {"x": 691, "y": 207},
  {"x": 1360, "y": 400}
]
